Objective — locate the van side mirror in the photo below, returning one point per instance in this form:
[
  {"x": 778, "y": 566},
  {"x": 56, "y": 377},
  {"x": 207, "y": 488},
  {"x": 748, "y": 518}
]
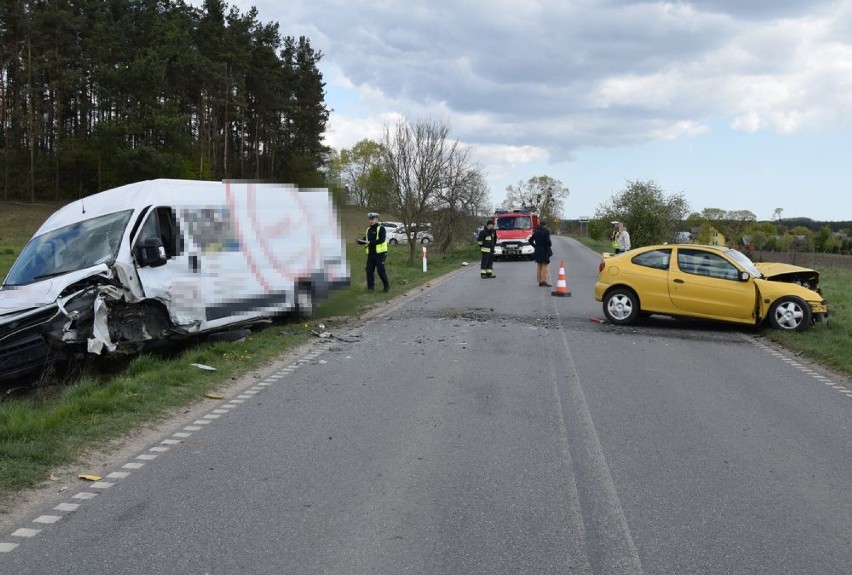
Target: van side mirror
[{"x": 151, "y": 253}]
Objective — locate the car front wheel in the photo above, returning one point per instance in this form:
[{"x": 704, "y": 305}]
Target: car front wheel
[
  {"x": 392, "y": 241},
  {"x": 621, "y": 307},
  {"x": 425, "y": 241},
  {"x": 791, "y": 314}
]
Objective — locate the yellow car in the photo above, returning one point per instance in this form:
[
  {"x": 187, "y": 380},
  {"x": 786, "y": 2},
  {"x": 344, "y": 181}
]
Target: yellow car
[{"x": 707, "y": 282}]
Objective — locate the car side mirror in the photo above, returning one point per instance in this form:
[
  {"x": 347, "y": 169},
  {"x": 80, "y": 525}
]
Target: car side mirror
[
  {"x": 744, "y": 276},
  {"x": 151, "y": 253}
]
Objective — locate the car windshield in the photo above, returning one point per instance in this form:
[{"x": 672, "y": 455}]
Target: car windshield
[
  {"x": 514, "y": 223},
  {"x": 745, "y": 262},
  {"x": 75, "y": 247}
]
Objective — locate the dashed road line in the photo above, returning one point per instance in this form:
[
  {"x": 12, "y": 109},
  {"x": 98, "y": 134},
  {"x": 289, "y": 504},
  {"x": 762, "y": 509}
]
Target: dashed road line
[
  {"x": 805, "y": 369},
  {"x": 153, "y": 452}
]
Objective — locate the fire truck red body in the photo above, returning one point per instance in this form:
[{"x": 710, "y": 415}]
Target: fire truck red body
[{"x": 514, "y": 229}]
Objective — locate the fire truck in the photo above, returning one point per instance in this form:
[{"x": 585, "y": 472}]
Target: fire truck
[{"x": 514, "y": 228}]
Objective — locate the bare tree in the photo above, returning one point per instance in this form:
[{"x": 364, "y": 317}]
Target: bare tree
[
  {"x": 463, "y": 197},
  {"x": 545, "y": 193},
  {"x": 421, "y": 161}
]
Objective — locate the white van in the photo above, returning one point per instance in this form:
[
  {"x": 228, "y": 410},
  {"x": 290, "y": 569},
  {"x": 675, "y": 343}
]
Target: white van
[{"x": 165, "y": 259}]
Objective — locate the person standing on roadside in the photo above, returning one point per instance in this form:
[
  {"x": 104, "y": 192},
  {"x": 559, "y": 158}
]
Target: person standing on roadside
[
  {"x": 487, "y": 240},
  {"x": 540, "y": 240},
  {"x": 622, "y": 239},
  {"x": 613, "y": 237},
  {"x": 375, "y": 243}
]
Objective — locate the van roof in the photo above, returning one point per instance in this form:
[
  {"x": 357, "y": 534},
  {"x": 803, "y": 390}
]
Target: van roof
[{"x": 139, "y": 195}]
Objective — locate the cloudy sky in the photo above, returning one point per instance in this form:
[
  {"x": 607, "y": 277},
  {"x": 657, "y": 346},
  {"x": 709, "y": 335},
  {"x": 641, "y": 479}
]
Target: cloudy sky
[{"x": 737, "y": 104}]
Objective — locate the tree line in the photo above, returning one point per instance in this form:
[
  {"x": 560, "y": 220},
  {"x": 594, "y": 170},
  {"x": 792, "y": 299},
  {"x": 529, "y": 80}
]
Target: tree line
[{"x": 98, "y": 93}]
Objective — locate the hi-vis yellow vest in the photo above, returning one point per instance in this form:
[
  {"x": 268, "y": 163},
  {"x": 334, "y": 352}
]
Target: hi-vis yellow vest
[{"x": 380, "y": 248}]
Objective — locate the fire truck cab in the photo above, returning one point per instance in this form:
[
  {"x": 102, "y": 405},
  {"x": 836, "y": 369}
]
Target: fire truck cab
[{"x": 514, "y": 229}]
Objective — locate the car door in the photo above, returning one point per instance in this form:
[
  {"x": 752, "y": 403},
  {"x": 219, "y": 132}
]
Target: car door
[{"x": 703, "y": 283}]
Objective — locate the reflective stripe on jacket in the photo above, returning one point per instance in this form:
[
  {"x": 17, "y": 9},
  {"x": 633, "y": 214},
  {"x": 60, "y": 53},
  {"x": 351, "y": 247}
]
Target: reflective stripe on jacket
[
  {"x": 487, "y": 240},
  {"x": 379, "y": 239}
]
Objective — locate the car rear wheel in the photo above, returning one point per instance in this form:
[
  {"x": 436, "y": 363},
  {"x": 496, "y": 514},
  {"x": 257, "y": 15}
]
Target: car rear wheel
[
  {"x": 790, "y": 314},
  {"x": 621, "y": 307}
]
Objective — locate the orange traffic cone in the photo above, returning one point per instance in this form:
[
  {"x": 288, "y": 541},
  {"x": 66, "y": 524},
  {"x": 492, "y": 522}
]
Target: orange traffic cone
[{"x": 561, "y": 284}]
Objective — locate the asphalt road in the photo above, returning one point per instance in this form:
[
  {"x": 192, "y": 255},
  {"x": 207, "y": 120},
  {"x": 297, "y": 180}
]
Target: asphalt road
[{"x": 485, "y": 427}]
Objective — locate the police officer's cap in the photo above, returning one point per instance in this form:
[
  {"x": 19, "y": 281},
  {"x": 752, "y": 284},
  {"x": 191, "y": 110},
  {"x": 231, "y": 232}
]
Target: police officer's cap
[{"x": 372, "y": 215}]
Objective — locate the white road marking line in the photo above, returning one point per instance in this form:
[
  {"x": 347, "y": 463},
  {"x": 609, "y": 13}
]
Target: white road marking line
[
  {"x": 118, "y": 475},
  {"x": 102, "y": 484},
  {"x": 146, "y": 456},
  {"x": 26, "y": 532},
  {"x": 85, "y": 495},
  {"x": 47, "y": 519},
  {"x": 133, "y": 466},
  {"x": 67, "y": 507},
  {"x": 6, "y": 547}
]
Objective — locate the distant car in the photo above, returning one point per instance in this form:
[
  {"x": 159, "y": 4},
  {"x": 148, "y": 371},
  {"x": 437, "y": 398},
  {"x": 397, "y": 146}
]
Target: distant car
[
  {"x": 708, "y": 282},
  {"x": 400, "y": 237},
  {"x": 391, "y": 226}
]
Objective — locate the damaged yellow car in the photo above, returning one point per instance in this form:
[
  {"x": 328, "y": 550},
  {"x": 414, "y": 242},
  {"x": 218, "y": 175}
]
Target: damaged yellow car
[{"x": 708, "y": 282}]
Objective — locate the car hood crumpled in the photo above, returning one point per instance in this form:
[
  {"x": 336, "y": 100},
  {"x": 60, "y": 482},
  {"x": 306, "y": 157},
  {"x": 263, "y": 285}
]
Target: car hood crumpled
[{"x": 789, "y": 273}]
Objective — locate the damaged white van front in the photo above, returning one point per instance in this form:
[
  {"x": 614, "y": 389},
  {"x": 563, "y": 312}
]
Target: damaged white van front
[{"x": 166, "y": 259}]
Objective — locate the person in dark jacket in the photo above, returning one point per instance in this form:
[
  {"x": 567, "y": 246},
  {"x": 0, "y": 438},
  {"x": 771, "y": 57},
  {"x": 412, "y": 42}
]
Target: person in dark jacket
[
  {"x": 540, "y": 240},
  {"x": 487, "y": 240},
  {"x": 376, "y": 245}
]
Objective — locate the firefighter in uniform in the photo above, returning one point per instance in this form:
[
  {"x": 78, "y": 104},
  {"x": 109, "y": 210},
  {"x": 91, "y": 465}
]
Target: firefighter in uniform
[
  {"x": 487, "y": 239},
  {"x": 376, "y": 246}
]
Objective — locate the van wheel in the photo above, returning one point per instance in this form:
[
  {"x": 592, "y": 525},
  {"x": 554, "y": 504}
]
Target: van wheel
[{"x": 305, "y": 306}]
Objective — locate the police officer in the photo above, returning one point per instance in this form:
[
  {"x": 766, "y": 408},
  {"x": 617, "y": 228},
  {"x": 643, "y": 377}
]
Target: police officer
[
  {"x": 487, "y": 239},
  {"x": 376, "y": 246}
]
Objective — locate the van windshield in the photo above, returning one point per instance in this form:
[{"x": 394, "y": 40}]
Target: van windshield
[{"x": 75, "y": 247}]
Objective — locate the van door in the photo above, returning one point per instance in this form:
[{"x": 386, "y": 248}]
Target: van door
[{"x": 174, "y": 277}]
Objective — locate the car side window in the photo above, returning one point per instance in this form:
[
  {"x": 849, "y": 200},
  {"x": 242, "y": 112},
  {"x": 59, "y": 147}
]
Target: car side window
[
  {"x": 657, "y": 259},
  {"x": 706, "y": 264}
]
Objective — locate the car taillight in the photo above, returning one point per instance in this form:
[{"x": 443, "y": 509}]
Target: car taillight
[{"x": 602, "y": 266}]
